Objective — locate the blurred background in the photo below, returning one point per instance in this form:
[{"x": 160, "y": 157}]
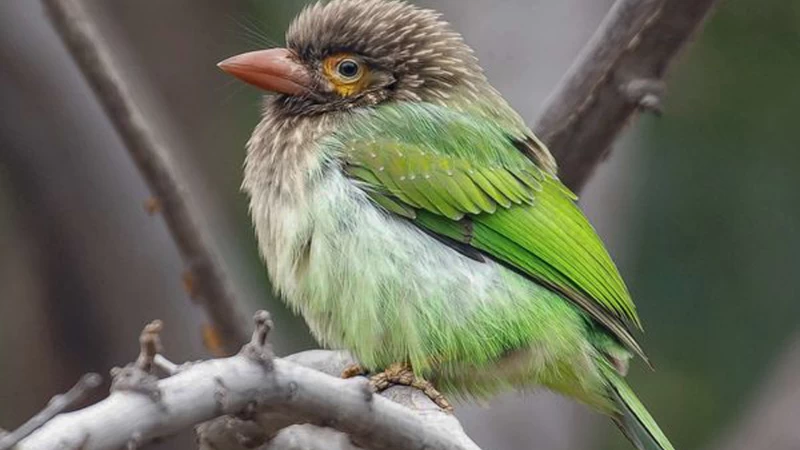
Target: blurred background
[{"x": 700, "y": 208}]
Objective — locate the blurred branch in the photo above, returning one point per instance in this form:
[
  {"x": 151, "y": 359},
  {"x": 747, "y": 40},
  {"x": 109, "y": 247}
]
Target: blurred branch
[
  {"x": 619, "y": 71},
  {"x": 209, "y": 282},
  {"x": 771, "y": 420},
  {"x": 247, "y": 385},
  {"x": 55, "y": 406}
]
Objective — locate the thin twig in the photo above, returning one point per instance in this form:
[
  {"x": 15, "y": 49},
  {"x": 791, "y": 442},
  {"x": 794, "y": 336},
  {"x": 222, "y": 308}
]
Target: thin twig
[
  {"x": 55, "y": 406},
  {"x": 149, "y": 345},
  {"x": 165, "y": 365},
  {"x": 210, "y": 284},
  {"x": 619, "y": 72}
]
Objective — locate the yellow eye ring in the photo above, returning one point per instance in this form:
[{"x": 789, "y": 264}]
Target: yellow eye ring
[{"x": 347, "y": 73}]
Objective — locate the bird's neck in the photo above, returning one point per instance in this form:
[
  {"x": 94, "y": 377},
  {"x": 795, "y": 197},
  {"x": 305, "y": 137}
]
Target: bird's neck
[{"x": 281, "y": 154}]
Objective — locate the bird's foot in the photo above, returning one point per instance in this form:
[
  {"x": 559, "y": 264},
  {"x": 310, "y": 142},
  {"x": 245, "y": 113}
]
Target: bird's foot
[
  {"x": 402, "y": 374},
  {"x": 352, "y": 371}
]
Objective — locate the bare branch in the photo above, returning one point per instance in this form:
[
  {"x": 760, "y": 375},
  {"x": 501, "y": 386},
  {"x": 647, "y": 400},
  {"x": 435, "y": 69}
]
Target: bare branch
[
  {"x": 618, "y": 72},
  {"x": 281, "y": 430},
  {"x": 55, "y": 406},
  {"x": 211, "y": 285},
  {"x": 249, "y": 385}
]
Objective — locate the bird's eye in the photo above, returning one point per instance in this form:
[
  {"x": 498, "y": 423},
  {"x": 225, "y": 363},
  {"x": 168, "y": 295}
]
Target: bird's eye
[
  {"x": 347, "y": 73},
  {"x": 348, "y": 69}
]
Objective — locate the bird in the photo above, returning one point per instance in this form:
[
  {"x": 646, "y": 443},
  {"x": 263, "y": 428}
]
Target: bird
[{"x": 409, "y": 214}]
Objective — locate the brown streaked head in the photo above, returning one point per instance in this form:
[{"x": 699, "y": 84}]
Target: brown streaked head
[{"x": 352, "y": 53}]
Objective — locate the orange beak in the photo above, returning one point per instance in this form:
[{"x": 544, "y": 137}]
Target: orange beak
[{"x": 274, "y": 70}]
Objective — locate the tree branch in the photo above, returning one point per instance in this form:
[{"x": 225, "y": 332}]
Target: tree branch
[
  {"x": 209, "y": 283},
  {"x": 619, "y": 71},
  {"x": 250, "y": 383},
  {"x": 57, "y": 405}
]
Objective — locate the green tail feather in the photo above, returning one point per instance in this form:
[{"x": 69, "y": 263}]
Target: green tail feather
[{"x": 632, "y": 417}]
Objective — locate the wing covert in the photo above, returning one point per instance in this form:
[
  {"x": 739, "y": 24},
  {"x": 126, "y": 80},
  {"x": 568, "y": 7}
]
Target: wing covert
[{"x": 465, "y": 179}]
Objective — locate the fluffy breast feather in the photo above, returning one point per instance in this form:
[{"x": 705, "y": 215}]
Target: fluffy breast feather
[{"x": 374, "y": 284}]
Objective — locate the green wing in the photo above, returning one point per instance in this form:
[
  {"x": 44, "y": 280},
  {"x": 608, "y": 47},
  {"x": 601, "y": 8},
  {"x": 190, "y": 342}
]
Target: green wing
[{"x": 487, "y": 187}]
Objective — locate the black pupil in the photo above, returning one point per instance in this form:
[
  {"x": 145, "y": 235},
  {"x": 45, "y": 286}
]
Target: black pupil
[{"x": 348, "y": 68}]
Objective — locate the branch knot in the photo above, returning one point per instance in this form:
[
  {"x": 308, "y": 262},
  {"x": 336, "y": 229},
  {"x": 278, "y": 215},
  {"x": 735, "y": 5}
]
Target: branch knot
[
  {"x": 259, "y": 349},
  {"x": 646, "y": 93}
]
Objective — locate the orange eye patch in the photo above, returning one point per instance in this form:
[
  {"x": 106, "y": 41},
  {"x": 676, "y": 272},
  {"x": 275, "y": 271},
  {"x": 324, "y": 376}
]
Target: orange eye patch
[{"x": 348, "y": 74}]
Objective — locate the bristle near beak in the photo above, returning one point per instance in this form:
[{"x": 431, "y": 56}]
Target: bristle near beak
[{"x": 273, "y": 70}]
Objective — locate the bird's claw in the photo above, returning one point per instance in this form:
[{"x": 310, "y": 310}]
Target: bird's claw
[
  {"x": 352, "y": 371},
  {"x": 403, "y": 375}
]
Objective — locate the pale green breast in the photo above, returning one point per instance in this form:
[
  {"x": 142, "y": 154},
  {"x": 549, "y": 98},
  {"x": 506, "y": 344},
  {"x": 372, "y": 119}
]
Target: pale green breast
[{"x": 381, "y": 288}]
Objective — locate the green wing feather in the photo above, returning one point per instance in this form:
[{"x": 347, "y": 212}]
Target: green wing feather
[
  {"x": 465, "y": 178},
  {"x": 631, "y": 416}
]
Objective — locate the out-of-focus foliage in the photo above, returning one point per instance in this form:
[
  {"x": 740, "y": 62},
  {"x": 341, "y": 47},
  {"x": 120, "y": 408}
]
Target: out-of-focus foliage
[{"x": 716, "y": 243}]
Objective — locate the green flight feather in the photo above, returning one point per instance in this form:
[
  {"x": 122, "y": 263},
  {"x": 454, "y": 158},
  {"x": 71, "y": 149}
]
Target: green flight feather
[
  {"x": 456, "y": 167},
  {"x": 631, "y": 416}
]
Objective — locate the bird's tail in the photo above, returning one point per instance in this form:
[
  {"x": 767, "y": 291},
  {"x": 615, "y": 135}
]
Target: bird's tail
[{"x": 631, "y": 416}]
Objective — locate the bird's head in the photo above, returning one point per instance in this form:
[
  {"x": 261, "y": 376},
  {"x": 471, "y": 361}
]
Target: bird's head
[{"x": 353, "y": 53}]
